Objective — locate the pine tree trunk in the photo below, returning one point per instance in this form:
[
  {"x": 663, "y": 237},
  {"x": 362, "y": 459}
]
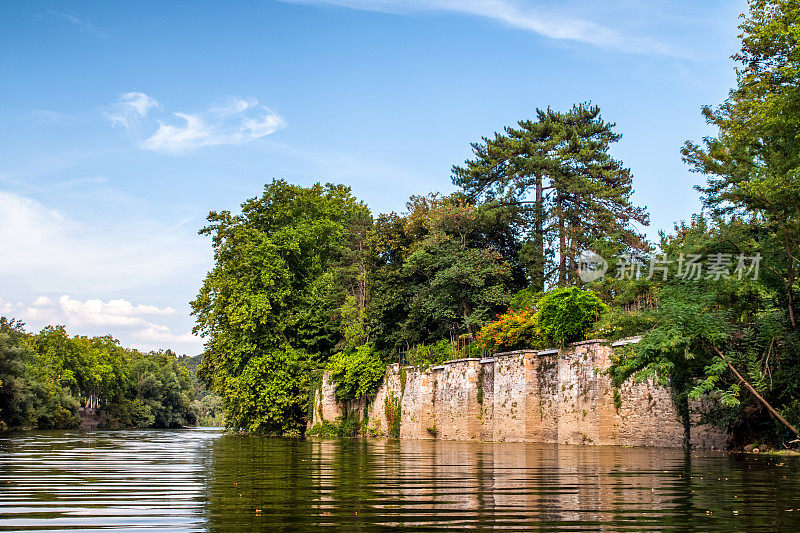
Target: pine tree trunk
[
  {"x": 538, "y": 269},
  {"x": 465, "y": 314},
  {"x": 562, "y": 244}
]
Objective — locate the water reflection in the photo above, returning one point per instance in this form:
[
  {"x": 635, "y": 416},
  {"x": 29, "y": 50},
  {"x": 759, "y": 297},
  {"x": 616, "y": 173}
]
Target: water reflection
[
  {"x": 439, "y": 484},
  {"x": 200, "y": 480}
]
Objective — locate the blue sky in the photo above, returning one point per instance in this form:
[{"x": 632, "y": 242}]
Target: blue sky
[{"x": 123, "y": 124}]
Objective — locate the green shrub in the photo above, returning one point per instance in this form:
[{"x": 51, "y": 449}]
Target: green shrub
[
  {"x": 324, "y": 429},
  {"x": 566, "y": 315},
  {"x": 617, "y": 400},
  {"x": 356, "y": 373},
  {"x": 127, "y": 413},
  {"x": 350, "y": 425},
  {"x": 425, "y": 355},
  {"x": 347, "y": 426}
]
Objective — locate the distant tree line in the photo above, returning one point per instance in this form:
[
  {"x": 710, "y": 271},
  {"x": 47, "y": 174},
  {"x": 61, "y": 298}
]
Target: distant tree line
[{"x": 45, "y": 378}]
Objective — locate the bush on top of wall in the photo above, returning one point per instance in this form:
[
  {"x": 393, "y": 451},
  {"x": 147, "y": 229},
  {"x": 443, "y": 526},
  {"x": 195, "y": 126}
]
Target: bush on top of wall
[
  {"x": 560, "y": 317},
  {"x": 566, "y": 315}
]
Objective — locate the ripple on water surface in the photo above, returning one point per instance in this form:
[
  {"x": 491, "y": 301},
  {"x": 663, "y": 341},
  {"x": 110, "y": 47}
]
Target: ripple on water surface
[{"x": 191, "y": 480}]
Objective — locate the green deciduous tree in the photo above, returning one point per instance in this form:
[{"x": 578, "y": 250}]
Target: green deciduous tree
[
  {"x": 753, "y": 163},
  {"x": 23, "y": 398},
  {"x": 272, "y": 292},
  {"x": 743, "y": 316},
  {"x": 44, "y": 377},
  {"x": 753, "y": 194},
  {"x": 461, "y": 282}
]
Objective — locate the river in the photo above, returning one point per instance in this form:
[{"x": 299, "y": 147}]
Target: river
[{"x": 203, "y": 480}]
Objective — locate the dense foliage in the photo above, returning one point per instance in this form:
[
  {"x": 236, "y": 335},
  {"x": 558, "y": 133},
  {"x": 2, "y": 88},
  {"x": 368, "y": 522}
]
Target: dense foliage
[
  {"x": 269, "y": 395},
  {"x": 559, "y": 317},
  {"x": 272, "y": 305},
  {"x": 306, "y": 279},
  {"x": 356, "y": 373},
  {"x": 441, "y": 270},
  {"x": 567, "y": 314},
  {"x": 29, "y": 396},
  {"x": 46, "y": 377}
]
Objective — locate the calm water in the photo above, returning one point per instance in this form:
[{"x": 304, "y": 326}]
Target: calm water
[{"x": 200, "y": 480}]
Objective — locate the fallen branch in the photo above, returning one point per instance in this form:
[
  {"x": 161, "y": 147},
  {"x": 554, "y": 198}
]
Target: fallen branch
[{"x": 771, "y": 409}]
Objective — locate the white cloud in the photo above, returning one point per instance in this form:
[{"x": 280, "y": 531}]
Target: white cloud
[
  {"x": 237, "y": 122},
  {"x": 6, "y": 308},
  {"x": 129, "y": 261},
  {"x": 119, "y": 317},
  {"x": 42, "y": 301},
  {"x": 112, "y": 313},
  {"x": 517, "y": 14},
  {"x": 47, "y": 315},
  {"x": 36, "y": 314},
  {"x": 130, "y": 108},
  {"x": 160, "y": 334},
  {"x": 49, "y": 117}
]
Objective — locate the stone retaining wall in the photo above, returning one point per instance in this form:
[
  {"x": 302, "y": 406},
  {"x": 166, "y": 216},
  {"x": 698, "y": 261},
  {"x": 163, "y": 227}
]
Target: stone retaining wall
[{"x": 547, "y": 396}]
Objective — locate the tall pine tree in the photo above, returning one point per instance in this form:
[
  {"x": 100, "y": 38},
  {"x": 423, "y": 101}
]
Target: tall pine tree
[{"x": 578, "y": 195}]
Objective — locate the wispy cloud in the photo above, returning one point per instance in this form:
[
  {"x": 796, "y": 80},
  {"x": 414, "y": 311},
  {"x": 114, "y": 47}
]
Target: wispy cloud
[
  {"x": 518, "y": 14},
  {"x": 83, "y": 25},
  {"x": 49, "y": 117},
  {"x": 6, "y": 307},
  {"x": 237, "y": 121},
  {"x": 130, "y": 108},
  {"x": 54, "y": 252}
]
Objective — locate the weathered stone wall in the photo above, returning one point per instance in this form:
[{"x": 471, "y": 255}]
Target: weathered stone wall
[{"x": 548, "y": 396}]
